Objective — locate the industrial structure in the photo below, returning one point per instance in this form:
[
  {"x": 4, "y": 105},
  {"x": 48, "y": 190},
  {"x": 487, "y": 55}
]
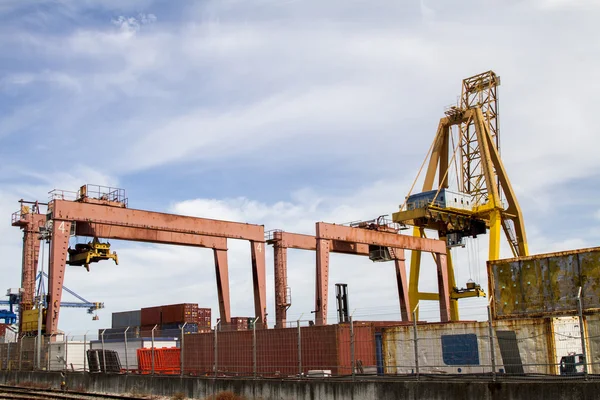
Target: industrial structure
[
  {"x": 483, "y": 198},
  {"x": 466, "y": 192}
]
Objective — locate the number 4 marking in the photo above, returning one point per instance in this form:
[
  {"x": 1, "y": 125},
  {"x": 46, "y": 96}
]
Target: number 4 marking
[
  {"x": 61, "y": 227},
  {"x": 259, "y": 247}
]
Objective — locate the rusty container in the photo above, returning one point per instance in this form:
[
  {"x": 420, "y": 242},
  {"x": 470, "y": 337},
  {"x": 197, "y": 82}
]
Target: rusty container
[
  {"x": 545, "y": 284},
  {"x": 179, "y": 313},
  {"x": 151, "y": 316},
  {"x": 322, "y": 348}
]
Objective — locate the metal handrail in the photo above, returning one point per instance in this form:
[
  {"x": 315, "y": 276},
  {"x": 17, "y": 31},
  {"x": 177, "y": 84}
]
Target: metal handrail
[{"x": 270, "y": 235}]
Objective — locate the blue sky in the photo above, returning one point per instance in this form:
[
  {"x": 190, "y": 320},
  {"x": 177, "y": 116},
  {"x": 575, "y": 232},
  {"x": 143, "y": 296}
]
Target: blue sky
[{"x": 285, "y": 113}]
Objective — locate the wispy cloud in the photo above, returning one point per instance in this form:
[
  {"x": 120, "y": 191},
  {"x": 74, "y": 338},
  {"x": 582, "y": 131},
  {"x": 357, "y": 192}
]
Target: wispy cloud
[{"x": 120, "y": 92}]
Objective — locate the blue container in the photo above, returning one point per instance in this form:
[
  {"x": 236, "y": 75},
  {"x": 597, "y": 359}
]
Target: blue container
[{"x": 189, "y": 328}]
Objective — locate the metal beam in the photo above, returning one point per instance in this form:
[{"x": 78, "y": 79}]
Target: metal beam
[
  {"x": 148, "y": 226},
  {"x": 326, "y": 232},
  {"x": 366, "y": 236},
  {"x": 405, "y": 307},
  {"x": 30, "y": 223},
  {"x": 64, "y": 210},
  {"x": 151, "y": 236}
]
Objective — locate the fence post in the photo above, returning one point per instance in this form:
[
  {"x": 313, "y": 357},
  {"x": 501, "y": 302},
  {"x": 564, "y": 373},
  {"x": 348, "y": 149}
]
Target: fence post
[
  {"x": 491, "y": 335},
  {"x": 216, "y": 348},
  {"x": 49, "y": 353},
  {"x": 21, "y": 355},
  {"x": 126, "y": 351},
  {"x": 66, "y": 341},
  {"x": 8, "y": 355},
  {"x": 582, "y": 333},
  {"x": 153, "y": 329},
  {"x": 182, "y": 348},
  {"x": 103, "y": 353},
  {"x": 352, "y": 361},
  {"x": 415, "y": 338},
  {"x": 254, "y": 346},
  {"x": 85, "y": 351},
  {"x": 299, "y": 348}
]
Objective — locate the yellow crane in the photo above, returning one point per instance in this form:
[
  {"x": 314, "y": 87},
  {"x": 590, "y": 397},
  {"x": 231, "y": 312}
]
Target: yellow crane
[{"x": 483, "y": 199}]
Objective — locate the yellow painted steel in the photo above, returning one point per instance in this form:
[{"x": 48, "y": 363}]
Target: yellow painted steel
[
  {"x": 480, "y": 133},
  {"x": 94, "y": 251},
  {"x": 30, "y": 320}
]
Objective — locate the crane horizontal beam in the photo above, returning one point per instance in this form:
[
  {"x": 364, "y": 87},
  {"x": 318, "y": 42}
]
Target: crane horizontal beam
[
  {"x": 308, "y": 242},
  {"x": 65, "y": 210},
  {"x": 63, "y": 304},
  {"x": 365, "y": 236},
  {"x": 105, "y": 231}
]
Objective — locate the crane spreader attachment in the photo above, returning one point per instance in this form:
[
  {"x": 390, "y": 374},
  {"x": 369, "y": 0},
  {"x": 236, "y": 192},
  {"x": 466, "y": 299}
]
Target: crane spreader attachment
[{"x": 85, "y": 253}]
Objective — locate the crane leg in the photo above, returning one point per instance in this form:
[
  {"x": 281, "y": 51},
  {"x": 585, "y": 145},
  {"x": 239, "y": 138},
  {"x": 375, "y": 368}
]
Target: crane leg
[
  {"x": 280, "y": 257},
  {"x": 61, "y": 231},
  {"x": 322, "y": 281},
  {"x": 405, "y": 304},
  {"x": 222, "y": 272},
  {"x": 259, "y": 278}
]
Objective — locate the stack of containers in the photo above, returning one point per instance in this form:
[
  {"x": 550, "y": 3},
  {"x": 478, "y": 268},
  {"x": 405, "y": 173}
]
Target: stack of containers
[
  {"x": 240, "y": 323},
  {"x": 204, "y": 319},
  {"x": 171, "y": 318}
]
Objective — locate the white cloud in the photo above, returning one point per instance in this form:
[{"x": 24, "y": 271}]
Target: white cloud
[
  {"x": 133, "y": 24},
  {"x": 357, "y": 85}
]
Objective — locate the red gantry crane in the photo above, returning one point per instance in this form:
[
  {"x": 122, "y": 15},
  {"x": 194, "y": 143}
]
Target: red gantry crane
[{"x": 102, "y": 212}]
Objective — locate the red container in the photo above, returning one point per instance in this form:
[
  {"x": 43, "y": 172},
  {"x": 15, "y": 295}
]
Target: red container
[
  {"x": 180, "y": 313},
  {"x": 151, "y": 316},
  {"x": 323, "y": 347}
]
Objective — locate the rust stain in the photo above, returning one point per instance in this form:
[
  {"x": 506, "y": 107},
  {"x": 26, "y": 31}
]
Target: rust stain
[{"x": 546, "y": 284}]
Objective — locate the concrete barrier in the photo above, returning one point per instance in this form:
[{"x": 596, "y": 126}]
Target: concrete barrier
[{"x": 321, "y": 389}]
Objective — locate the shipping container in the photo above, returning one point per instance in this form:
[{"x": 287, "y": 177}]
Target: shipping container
[
  {"x": 67, "y": 356},
  {"x": 322, "y": 347},
  {"x": 520, "y": 347},
  {"x": 118, "y": 333},
  {"x": 169, "y": 314},
  {"x": 129, "y": 358},
  {"x": 188, "y": 328},
  {"x": 3, "y": 328},
  {"x": 179, "y": 313},
  {"x": 545, "y": 284},
  {"x": 8, "y": 334},
  {"x": 204, "y": 312},
  {"x": 126, "y": 318},
  {"x": 150, "y": 316}
]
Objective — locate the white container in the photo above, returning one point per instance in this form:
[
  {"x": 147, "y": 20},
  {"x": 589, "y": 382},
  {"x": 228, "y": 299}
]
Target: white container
[{"x": 69, "y": 356}]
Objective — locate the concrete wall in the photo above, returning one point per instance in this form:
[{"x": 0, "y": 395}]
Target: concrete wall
[{"x": 200, "y": 388}]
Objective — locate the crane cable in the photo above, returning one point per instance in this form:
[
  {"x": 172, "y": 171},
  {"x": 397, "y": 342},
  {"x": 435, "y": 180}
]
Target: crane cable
[
  {"x": 419, "y": 173},
  {"x": 444, "y": 178}
]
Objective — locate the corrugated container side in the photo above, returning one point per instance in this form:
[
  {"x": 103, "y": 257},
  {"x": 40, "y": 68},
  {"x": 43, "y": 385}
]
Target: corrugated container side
[
  {"x": 180, "y": 313},
  {"x": 319, "y": 348},
  {"x": 199, "y": 354},
  {"x": 150, "y": 316},
  {"x": 126, "y": 318},
  {"x": 545, "y": 284},
  {"x": 277, "y": 352},
  {"x": 118, "y": 333},
  {"x": 364, "y": 348}
]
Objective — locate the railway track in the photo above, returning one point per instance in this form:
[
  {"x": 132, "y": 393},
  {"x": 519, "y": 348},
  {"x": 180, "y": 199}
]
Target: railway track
[{"x": 16, "y": 392}]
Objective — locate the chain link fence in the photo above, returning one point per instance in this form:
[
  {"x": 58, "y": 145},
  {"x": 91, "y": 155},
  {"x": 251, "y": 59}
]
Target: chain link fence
[{"x": 498, "y": 349}]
